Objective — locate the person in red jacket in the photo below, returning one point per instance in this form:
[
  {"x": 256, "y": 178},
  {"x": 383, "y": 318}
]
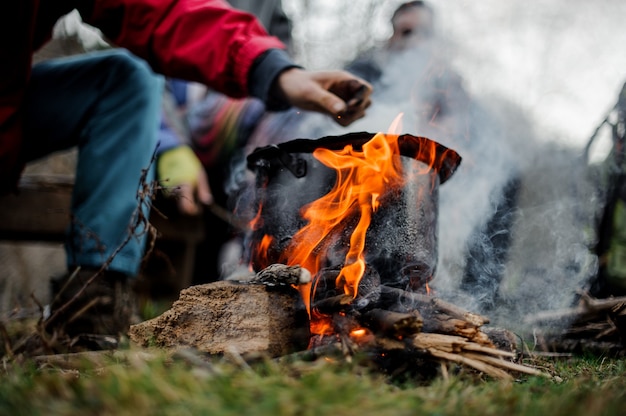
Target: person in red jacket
[{"x": 108, "y": 104}]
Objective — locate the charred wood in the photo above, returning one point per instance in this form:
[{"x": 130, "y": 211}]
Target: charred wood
[
  {"x": 282, "y": 275},
  {"x": 401, "y": 300},
  {"x": 329, "y": 284},
  {"x": 443, "y": 324},
  {"x": 334, "y": 304},
  {"x": 393, "y": 324}
]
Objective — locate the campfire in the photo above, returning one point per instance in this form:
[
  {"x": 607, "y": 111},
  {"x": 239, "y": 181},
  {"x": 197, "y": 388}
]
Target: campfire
[
  {"x": 351, "y": 223},
  {"x": 357, "y": 211}
]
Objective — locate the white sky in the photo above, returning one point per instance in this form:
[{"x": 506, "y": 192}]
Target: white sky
[{"x": 564, "y": 61}]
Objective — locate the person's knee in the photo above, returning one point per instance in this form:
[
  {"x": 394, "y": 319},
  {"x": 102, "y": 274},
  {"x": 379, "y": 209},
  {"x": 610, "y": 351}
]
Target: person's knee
[{"x": 136, "y": 76}]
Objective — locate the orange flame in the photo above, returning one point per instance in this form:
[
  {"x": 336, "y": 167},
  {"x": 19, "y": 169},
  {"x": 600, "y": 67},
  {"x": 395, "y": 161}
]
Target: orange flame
[
  {"x": 362, "y": 177},
  {"x": 357, "y": 333},
  {"x": 263, "y": 248},
  {"x": 322, "y": 324},
  {"x": 361, "y": 336},
  {"x": 257, "y": 221}
]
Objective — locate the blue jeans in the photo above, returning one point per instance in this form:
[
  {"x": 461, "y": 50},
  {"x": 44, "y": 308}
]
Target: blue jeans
[{"x": 108, "y": 104}]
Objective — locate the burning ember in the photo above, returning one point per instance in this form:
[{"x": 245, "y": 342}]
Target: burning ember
[{"x": 353, "y": 210}]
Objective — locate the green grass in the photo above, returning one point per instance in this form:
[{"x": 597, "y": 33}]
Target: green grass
[{"x": 162, "y": 385}]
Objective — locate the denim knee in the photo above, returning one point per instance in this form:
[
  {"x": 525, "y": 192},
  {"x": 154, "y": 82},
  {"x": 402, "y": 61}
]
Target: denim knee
[{"x": 136, "y": 74}]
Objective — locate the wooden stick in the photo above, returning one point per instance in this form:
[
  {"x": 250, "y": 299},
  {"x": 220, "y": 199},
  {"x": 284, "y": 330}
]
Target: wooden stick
[
  {"x": 507, "y": 365},
  {"x": 444, "y": 324},
  {"x": 594, "y": 304},
  {"x": 588, "y": 309},
  {"x": 470, "y": 362},
  {"x": 488, "y": 350},
  {"x": 452, "y": 343}
]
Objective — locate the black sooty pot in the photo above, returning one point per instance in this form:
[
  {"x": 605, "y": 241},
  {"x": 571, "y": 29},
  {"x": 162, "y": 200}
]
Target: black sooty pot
[{"x": 401, "y": 241}]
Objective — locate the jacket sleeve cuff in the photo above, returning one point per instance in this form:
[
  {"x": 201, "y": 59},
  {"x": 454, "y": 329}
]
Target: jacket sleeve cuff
[{"x": 263, "y": 75}]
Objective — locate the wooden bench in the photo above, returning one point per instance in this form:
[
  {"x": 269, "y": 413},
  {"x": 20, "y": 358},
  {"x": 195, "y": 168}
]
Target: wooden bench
[{"x": 41, "y": 212}]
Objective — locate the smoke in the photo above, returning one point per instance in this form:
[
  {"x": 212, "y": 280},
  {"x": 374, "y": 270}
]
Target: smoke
[{"x": 517, "y": 221}]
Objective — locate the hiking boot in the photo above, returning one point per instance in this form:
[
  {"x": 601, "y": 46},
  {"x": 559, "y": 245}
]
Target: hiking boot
[{"x": 89, "y": 303}]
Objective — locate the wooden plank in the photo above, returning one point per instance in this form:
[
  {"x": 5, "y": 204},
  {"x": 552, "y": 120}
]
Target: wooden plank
[{"x": 41, "y": 212}]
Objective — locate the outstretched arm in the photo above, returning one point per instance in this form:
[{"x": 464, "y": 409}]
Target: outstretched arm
[{"x": 336, "y": 93}]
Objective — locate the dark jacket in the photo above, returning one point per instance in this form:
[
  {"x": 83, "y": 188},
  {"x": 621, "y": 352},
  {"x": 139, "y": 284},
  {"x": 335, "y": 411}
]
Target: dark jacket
[{"x": 203, "y": 41}]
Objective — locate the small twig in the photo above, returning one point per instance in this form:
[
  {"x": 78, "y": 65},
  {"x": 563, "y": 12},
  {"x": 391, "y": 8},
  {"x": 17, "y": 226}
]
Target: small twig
[
  {"x": 470, "y": 362},
  {"x": 487, "y": 350},
  {"x": 84, "y": 309},
  {"x": 548, "y": 354},
  {"x": 504, "y": 364},
  {"x": 7, "y": 340}
]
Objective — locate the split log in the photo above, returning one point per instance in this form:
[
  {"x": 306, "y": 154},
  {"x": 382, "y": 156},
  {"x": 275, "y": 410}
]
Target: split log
[
  {"x": 224, "y": 316},
  {"x": 333, "y": 350},
  {"x": 442, "y": 342}
]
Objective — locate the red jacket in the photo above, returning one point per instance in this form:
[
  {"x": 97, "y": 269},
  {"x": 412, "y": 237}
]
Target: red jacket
[{"x": 200, "y": 40}]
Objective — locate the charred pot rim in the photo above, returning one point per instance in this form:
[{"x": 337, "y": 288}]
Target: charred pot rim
[{"x": 415, "y": 147}]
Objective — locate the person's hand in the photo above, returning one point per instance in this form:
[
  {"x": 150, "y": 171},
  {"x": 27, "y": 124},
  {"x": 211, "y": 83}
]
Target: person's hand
[
  {"x": 336, "y": 93},
  {"x": 184, "y": 178}
]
